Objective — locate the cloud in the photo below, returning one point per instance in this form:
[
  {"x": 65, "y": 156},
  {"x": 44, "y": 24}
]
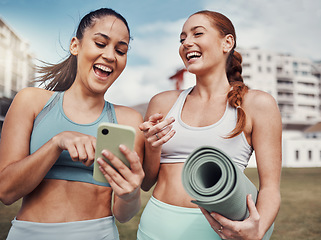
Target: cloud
[
  {"x": 130, "y": 89},
  {"x": 157, "y": 44},
  {"x": 290, "y": 26}
]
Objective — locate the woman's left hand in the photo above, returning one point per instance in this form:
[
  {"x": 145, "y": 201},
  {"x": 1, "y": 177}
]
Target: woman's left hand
[
  {"x": 127, "y": 181},
  {"x": 241, "y": 230}
]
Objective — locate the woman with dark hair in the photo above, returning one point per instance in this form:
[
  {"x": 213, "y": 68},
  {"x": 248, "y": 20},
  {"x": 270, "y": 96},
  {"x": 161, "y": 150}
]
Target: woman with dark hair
[
  {"x": 48, "y": 142},
  {"x": 219, "y": 111}
]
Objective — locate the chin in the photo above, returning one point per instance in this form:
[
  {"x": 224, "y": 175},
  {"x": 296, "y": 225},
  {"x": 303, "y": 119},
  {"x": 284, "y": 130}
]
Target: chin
[
  {"x": 195, "y": 71},
  {"x": 199, "y": 70},
  {"x": 99, "y": 88}
]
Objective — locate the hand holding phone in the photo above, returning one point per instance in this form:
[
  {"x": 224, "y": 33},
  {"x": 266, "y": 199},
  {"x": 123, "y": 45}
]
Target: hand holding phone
[{"x": 109, "y": 137}]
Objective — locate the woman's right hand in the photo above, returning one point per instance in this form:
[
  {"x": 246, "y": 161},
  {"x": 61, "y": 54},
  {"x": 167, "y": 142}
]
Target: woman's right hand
[
  {"x": 156, "y": 130},
  {"x": 81, "y": 147}
]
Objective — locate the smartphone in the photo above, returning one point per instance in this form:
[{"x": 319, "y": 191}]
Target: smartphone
[{"x": 109, "y": 137}]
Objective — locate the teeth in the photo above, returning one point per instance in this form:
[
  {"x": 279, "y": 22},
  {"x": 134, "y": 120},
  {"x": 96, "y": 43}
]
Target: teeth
[
  {"x": 103, "y": 68},
  {"x": 192, "y": 54}
]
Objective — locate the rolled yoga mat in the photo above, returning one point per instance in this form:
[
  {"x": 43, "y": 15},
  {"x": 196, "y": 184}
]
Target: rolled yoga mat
[{"x": 215, "y": 182}]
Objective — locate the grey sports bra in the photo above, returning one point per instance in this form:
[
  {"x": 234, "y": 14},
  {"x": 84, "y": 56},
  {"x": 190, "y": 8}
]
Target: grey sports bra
[{"x": 51, "y": 121}]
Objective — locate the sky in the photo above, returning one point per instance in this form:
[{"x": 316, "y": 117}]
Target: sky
[{"x": 287, "y": 26}]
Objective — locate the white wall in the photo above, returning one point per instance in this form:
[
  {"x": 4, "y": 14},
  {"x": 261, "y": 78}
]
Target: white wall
[{"x": 302, "y": 152}]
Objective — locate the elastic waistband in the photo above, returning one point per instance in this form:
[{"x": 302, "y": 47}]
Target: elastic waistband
[
  {"x": 170, "y": 207},
  {"x": 99, "y": 223}
]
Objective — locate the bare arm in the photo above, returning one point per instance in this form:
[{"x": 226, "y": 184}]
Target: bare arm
[
  {"x": 267, "y": 143},
  {"x": 21, "y": 173},
  {"x": 154, "y": 124},
  {"x": 265, "y": 129}
]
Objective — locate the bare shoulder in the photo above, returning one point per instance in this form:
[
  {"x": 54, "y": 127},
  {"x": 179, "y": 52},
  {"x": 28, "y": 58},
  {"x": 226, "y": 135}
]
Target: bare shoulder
[
  {"x": 20, "y": 117},
  {"x": 128, "y": 116},
  {"x": 261, "y": 108},
  {"x": 166, "y": 96},
  {"x": 34, "y": 98},
  {"x": 256, "y": 100},
  {"x": 33, "y": 93},
  {"x": 162, "y": 102}
]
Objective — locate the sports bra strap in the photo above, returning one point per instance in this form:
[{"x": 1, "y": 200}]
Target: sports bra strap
[{"x": 49, "y": 105}]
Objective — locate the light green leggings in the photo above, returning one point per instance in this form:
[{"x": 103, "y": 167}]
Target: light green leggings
[{"x": 161, "y": 221}]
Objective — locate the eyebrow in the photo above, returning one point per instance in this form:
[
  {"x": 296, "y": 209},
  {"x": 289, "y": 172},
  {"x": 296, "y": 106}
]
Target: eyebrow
[
  {"x": 108, "y": 38},
  {"x": 192, "y": 29}
]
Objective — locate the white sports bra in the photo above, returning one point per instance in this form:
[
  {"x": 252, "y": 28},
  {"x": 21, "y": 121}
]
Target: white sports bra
[{"x": 188, "y": 138}]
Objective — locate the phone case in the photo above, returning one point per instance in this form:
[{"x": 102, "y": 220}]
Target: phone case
[{"x": 109, "y": 137}]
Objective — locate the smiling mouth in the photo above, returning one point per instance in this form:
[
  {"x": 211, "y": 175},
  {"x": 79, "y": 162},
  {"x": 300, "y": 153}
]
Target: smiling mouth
[
  {"x": 102, "y": 70},
  {"x": 191, "y": 55}
]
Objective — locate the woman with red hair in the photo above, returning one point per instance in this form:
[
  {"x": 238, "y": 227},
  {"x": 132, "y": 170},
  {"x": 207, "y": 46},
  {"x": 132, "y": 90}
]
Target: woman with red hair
[{"x": 218, "y": 111}]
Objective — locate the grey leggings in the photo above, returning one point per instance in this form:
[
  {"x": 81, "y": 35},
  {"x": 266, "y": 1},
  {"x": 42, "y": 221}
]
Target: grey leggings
[{"x": 98, "y": 229}]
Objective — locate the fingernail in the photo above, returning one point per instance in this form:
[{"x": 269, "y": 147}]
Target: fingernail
[
  {"x": 105, "y": 153},
  {"x": 122, "y": 147}
]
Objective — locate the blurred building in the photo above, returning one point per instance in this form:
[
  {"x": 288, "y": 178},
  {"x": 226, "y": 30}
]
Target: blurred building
[
  {"x": 295, "y": 83},
  {"x": 16, "y": 66}
]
